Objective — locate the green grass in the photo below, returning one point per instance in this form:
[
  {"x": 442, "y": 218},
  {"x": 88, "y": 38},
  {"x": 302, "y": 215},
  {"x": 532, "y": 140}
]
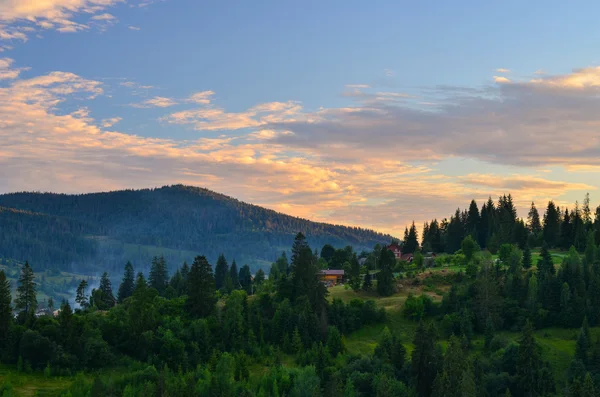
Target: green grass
[{"x": 29, "y": 384}]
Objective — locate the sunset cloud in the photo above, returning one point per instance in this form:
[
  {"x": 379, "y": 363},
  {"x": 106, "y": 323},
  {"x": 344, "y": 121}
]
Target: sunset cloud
[{"x": 156, "y": 102}]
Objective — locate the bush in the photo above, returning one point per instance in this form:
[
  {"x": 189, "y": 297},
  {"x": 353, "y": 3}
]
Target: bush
[{"x": 499, "y": 342}]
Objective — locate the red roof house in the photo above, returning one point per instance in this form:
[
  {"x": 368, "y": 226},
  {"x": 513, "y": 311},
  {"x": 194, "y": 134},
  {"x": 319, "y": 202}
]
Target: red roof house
[{"x": 396, "y": 249}]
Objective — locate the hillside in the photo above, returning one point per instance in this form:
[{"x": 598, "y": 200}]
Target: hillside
[{"x": 97, "y": 231}]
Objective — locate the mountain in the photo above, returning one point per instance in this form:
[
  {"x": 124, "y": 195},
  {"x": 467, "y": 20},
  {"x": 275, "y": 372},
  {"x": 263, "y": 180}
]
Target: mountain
[{"x": 94, "y": 232}]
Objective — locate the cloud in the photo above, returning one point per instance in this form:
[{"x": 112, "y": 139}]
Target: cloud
[
  {"x": 389, "y": 72},
  {"x": 501, "y": 79},
  {"x": 7, "y": 72},
  {"x": 134, "y": 28},
  {"x": 502, "y": 70},
  {"x": 156, "y": 102},
  {"x": 19, "y": 18},
  {"x": 107, "y": 123},
  {"x": 358, "y": 86},
  {"x": 202, "y": 98},
  {"x": 210, "y": 118},
  {"x": 524, "y": 123},
  {"x": 104, "y": 17}
]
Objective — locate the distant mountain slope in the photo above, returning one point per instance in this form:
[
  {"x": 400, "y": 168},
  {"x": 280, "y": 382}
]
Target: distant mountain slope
[{"x": 123, "y": 225}]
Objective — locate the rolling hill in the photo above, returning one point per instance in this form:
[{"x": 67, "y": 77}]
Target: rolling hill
[{"x": 93, "y": 232}]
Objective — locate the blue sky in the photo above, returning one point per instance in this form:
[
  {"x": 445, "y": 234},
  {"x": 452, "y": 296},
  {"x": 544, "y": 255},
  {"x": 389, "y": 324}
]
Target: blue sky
[{"x": 365, "y": 113}]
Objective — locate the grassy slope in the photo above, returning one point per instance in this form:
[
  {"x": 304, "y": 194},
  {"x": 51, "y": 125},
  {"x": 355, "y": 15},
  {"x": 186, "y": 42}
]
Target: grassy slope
[{"x": 558, "y": 345}]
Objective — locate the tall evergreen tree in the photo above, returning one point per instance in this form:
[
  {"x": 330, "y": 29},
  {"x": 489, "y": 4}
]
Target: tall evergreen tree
[
  {"x": 80, "y": 296},
  {"x": 597, "y": 226},
  {"x": 411, "y": 243},
  {"x": 128, "y": 283},
  {"x": 245, "y": 278},
  {"x": 586, "y": 211},
  {"x": 26, "y": 291},
  {"x": 566, "y": 231},
  {"x": 201, "y": 288},
  {"x": 551, "y": 225},
  {"x": 527, "y": 257},
  {"x": 106, "y": 288},
  {"x": 533, "y": 220},
  {"x": 221, "y": 271},
  {"x": 473, "y": 221},
  {"x": 233, "y": 273},
  {"x": 6, "y": 316},
  {"x": 159, "y": 275},
  {"x": 385, "y": 277},
  {"x": 425, "y": 363},
  {"x": 299, "y": 245},
  {"x": 355, "y": 276},
  {"x": 455, "y": 233}
]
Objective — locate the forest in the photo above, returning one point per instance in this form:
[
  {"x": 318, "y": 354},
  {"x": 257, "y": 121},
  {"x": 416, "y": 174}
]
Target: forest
[
  {"x": 90, "y": 233},
  {"x": 505, "y": 307}
]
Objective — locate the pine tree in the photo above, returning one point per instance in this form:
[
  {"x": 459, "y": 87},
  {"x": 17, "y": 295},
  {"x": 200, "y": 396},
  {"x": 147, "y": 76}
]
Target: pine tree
[
  {"x": 385, "y": 277},
  {"x": 588, "y": 389},
  {"x": 411, "y": 243},
  {"x": 489, "y": 332},
  {"x": 355, "y": 278},
  {"x": 127, "y": 285},
  {"x": 201, "y": 288},
  {"x": 221, "y": 271},
  {"x": 551, "y": 225},
  {"x": 424, "y": 364},
  {"x": 107, "y": 294},
  {"x": 527, "y": 257},
  {"x": 246, "y": 279},
  {"x": 233, "y": 273},
  {"x": 587, "y": 213},
  {"x": 259, "y": 277},
  {"x": 528, "y": 363},
  {"x": 26, "y": 291},
  {"x": 159, "y": 275},
  {"x": 299, "y": 245},
  {"x": 6, "y": 315},
  {"x": 80, "y": 296},
  {"x": 473, "y": 220},
  {"x": 468, "y": 388},
  {"x": 533, "y": 220},
  {"x": 140, "y": 281}
]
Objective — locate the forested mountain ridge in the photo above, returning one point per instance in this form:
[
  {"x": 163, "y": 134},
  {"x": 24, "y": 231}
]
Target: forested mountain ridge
[{"x": 107, "y": 227}]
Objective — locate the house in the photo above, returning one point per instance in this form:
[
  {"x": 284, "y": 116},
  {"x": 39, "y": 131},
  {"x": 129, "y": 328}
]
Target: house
[
  {"x": 407, "y": 257},
  {"x": 332, "y": 276},
  {"x": 396, "y": 249}
]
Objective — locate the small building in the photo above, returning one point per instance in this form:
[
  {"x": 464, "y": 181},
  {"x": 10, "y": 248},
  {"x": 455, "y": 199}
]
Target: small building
[
  {"x": 332, "y": 276},
  {"x": 407, "y": 258},
  {"x": 396, "y": 249}
]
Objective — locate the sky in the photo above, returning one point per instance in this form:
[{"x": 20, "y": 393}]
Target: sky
[{"x": 372, "y": 114}]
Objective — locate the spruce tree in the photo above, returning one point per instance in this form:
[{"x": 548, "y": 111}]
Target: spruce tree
[
  {"x": 6, "y": 316},
  {"x": 367, "y": 284},
  {"x": 80, "y": 296},
  {"x": 201, "y": 288},
  {"x": 107, "y": 294},
  {"x": 355, "y": 277},
  {"x": 26, "y": 291},
  {"x": 424, "y": 364},
  {"x": 551, "y": 227},
  {"x": 527, "y": 257},
  {"x": 128, "y": 283},
  {"x": 588, "y": 389},
  {"x": 233, "y": 273},
  {"x": 159, "y": 275},
  {"x": 533, "y": 220},
  {"x": 385, "y": 277},
  {"x": 411, "y": 242},
  {"x": 221, "y": 272},
  {"x": 259, "y": 277},
  {"x": 246, "y": 279}
]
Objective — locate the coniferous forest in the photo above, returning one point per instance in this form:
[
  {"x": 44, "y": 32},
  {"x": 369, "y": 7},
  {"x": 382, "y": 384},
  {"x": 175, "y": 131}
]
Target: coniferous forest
[{"x": 487, "y": 304}]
